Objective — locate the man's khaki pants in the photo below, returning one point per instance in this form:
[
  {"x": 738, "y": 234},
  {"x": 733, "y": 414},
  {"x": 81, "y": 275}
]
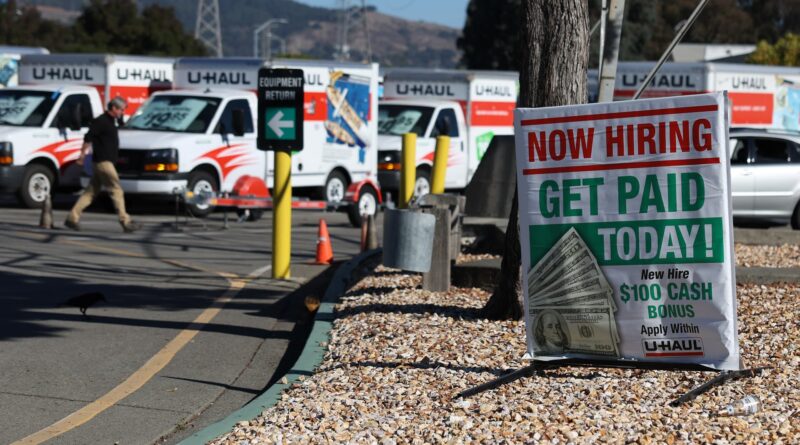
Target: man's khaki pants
[{"x": 105, "y": 175}]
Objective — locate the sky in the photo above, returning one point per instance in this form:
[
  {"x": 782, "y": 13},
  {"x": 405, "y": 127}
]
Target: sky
[{"x": 446, "y": 12}]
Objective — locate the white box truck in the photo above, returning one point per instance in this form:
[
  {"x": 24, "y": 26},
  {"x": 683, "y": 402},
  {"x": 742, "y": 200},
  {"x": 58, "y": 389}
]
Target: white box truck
[
  {"x": 204, "y": 133},
  {"x": 43, "y": 121},
  {"x": 760, "y": 96},
  {"x": 469, "y": 106}
]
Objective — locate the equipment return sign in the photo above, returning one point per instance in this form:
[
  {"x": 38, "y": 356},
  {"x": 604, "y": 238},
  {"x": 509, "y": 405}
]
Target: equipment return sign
[{"x": 280, "y": 109}]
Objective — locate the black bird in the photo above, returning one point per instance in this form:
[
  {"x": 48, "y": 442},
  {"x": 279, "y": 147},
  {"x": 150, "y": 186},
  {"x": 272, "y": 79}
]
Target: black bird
[{"x": 83, "y": 301}]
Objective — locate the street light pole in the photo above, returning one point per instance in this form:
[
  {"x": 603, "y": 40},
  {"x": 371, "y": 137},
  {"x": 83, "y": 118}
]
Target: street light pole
[{"x": 266, "y": 26}]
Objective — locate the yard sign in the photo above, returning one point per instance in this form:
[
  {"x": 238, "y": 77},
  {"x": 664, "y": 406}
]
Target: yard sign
[{"x": 625, "y": 229}]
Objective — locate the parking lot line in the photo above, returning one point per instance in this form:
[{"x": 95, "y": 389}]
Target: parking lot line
[{"x": 157, "y": 362}]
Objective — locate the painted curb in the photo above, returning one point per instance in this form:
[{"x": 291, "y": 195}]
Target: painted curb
[{"x": 308, "y": 361}]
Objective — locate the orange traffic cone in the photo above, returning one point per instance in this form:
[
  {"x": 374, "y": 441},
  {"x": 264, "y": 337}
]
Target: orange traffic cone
[{"x": 324, "y": 249}]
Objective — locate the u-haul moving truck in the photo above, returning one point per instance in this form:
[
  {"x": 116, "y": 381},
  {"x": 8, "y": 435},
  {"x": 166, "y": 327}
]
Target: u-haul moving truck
[
  {"x": 760, "y": 96},
  {"x": 193, "y": 129},
  {"x": 43, "y": 121},
  {"x": 9, "y": 62},
  {"x": 134, "y": 78},
  {"x": 470, "y": 106}
]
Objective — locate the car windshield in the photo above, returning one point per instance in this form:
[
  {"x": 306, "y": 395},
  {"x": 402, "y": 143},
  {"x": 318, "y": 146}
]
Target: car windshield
[
  {"x": 396, "y": 120},
  {"x": 186, "y": 114},
  {"x": 23, "y": 108}
]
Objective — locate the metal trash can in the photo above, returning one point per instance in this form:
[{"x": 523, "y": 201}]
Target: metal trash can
[{"x": 408, "y": 239}]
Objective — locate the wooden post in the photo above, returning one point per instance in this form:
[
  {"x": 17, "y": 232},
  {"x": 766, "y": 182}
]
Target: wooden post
[{"x": 438, "y": 278}]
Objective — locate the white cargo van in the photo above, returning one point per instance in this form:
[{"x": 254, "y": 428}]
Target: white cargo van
[
  {"x": 203, "y": 135},
  {"x": 43, "y": 121},
  {"x": 760, "y": 96},
  {"x": 41, "y": 133},
  {"x": 469, "y": 106}
]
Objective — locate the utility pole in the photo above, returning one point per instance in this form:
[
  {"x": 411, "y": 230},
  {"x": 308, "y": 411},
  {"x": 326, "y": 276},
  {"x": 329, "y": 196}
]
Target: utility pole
[
  {"x": 208, "y": 28},
  {"x": 366, "y": 30},
  {"x": 343, "y": 29},
  {"x": 267, "y": 26}
]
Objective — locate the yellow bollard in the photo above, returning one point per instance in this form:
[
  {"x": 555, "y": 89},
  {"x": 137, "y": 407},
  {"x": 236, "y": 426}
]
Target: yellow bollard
[
  {"x": 282, "y": 216},
  {"x": 408, "y": 169},
  {"x": 440, "y": 164}
]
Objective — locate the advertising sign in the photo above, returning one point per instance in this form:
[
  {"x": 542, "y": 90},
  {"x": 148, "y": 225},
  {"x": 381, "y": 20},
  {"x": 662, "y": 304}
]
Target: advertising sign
[
  {"x": 625, "y": 230},
  {"x": 280, "y": 109}
]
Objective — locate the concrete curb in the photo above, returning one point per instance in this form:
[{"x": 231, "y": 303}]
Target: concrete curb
[{"x": 308, "y": 361}]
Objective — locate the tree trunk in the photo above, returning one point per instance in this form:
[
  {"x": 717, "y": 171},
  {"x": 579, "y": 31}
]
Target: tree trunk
[{"x": 553, "y": 72}]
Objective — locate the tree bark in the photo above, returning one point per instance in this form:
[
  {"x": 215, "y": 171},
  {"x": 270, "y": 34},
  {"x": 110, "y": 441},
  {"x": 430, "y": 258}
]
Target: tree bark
[{"x": 553, "y": 72}]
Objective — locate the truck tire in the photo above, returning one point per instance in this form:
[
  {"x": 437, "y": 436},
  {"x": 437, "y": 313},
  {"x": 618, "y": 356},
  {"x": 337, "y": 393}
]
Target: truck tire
[
  {"x": 253, "y": 215},
  {"x": 199, "y": 182},
  {"x": 796, "y": 217},
  {"x": 422, "y": 183},
  {"x": 367, "y": 204},
  {"x": 335, "y": 187},
  {"x": 37, "y": 182}
]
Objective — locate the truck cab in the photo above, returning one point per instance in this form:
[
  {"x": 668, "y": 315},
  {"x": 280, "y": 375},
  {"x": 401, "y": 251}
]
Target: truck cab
[
  {"x": 428, "y": 119},
  {"x": 41, "y": 134},
  {"x": 201, "y": 140}
]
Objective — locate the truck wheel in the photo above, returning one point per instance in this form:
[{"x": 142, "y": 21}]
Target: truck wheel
[
  {"x": 796, "y": 217},
  {"x": 367, "y": 204},
  {"x": 201, "y": 182},
  {"x": 335, "y": 187},
  {"x": 422, "y": 184},
  {"x": 37, "y": 183},
  {"x": 252, "y": 214}
]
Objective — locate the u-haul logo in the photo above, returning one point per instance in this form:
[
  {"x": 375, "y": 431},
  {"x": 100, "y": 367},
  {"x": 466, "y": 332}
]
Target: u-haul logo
[
  {"x": 147, "y": 75},
  {"x": 220, "y": 78},
  {"x": 673, "y": 81},
  {"x": 62, "y": 73},
  {"x": 673, "y": 347},
  {"x": 422, "y": 89}
]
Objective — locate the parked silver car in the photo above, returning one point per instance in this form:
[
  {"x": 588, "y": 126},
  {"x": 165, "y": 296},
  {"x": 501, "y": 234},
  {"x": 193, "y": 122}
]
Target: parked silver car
[{"x": 765, "y": 176}]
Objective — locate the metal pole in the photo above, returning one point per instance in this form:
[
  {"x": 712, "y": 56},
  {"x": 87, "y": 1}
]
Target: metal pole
[
  {"x": 603, "y": 20},
  {"x": 269, "y": 43},
  {"x": 610, "y": 55},
  {"x": 440, "y": 164},
  {"x": 408, "y": 169},
  {"x": 678, "y": 37},
  {"x": 282, "y": 216}
]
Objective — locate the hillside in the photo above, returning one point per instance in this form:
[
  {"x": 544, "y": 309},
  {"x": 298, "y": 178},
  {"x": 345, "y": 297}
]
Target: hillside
[{"x": 312, "y": 31}]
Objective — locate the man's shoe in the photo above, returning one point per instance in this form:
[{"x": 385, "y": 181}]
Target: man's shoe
[
  {"x": 131, "y": 227},
  {"x": 72, "y": 225}
]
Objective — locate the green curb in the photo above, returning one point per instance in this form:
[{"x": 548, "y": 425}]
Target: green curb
[{"x": 308, "y": 361}]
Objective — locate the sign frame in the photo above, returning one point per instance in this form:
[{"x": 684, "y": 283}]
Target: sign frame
[{"x": 280, "y": 109}]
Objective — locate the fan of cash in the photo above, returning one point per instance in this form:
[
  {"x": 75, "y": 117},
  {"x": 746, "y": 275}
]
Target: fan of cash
[{"x": 571, "y": 304}]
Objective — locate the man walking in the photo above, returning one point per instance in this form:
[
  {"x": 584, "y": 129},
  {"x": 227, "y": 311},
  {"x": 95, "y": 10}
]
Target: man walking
[{"x": 103, "y": 137}]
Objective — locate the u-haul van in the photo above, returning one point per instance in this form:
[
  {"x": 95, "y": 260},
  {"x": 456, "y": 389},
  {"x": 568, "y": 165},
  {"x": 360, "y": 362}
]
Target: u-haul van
[
  {"x": 470, "y": 106},
  {"x": 43, "y": 121},
  {"x": 134, "y": 78},
  {"x": 760, "y": 96},
  {"x": 195, "y": 134}
]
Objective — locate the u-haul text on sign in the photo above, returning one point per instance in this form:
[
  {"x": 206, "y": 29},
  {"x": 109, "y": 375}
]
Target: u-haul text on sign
[{"x": 625, "y": 230}]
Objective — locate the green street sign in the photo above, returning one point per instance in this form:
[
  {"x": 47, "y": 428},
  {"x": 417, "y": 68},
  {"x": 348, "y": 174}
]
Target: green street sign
[{"x": 280, "y": 124}]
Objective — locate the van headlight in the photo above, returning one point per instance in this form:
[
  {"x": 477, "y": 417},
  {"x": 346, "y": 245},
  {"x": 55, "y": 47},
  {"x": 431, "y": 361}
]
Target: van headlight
[
  {"x": 6, "y": 153},
  {"x": 161, "y": 160}
]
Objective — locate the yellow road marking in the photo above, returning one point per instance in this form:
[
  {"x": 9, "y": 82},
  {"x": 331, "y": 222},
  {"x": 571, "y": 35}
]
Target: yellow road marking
[{"x": 155, "y": 364}]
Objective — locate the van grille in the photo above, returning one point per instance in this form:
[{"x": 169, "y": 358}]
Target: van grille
[{"x": 130, "y": 161}]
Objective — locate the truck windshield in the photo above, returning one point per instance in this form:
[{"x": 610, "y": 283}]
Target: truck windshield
[
  {"x": 185, "y": 114},
  {"x": 396, "y": 120},
  {"x": 25, "y": 108}
]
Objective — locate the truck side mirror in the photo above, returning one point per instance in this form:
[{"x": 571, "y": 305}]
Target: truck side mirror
[{"x": 238, "y": 122}]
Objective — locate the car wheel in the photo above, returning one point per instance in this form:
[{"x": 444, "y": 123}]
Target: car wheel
[
  {"x": 335, "y": 187},
  {"x": 201, "y": 182},
  {"x": 366, "y": 205},
  {"x": 37, "y": 184},
  {"x": 422, "y": 184},
  {"x": 796, "y": 217}
]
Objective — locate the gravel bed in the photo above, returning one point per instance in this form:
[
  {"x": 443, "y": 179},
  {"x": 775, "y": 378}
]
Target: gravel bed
[
  {"x": 785, "y": 255},
  {"x": 398, "y": 354}
]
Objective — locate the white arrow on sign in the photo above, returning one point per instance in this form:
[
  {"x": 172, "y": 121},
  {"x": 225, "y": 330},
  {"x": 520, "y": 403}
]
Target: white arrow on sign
[{"x": 275, "y": 124}]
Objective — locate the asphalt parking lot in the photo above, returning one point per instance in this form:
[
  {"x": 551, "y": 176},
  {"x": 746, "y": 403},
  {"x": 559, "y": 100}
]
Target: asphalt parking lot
[{"x": 193, "y": 326}]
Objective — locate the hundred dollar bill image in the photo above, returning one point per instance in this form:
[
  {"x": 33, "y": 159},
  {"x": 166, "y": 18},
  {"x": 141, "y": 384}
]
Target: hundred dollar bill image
[{"x": 574, "y": 330}]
